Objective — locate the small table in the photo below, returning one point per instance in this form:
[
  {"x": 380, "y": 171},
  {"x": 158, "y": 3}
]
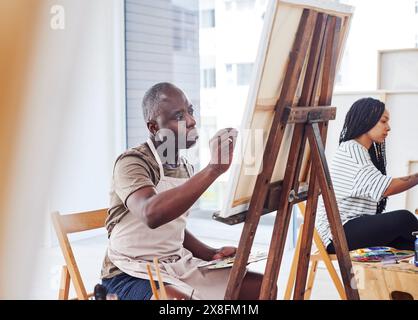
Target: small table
[{"x": 377, "y": 281}]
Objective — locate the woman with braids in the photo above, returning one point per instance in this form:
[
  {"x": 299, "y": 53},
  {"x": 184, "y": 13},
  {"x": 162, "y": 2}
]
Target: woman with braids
[{"x": 361, "y": 185}]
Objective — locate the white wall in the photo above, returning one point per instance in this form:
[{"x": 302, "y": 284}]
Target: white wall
[
  {"x": 93, "y": 131},
  {"x": 398, "y": 69},
  {"x": 377, "y": 25},
  {"x": 402, "y": 141},
  {"x": 69, "y": 131}
]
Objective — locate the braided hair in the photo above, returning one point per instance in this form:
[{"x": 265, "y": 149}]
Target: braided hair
[{"x": 363, "y": 115}]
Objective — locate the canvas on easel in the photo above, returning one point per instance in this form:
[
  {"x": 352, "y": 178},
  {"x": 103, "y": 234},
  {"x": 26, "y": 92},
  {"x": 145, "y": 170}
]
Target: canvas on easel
[
  {"x": 280, "y": 26},
  {"x": 290, "y": 100}
]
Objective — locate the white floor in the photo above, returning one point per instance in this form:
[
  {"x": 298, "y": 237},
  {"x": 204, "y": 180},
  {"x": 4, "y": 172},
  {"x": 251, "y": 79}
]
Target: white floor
[{"x": 89, "y": 254}]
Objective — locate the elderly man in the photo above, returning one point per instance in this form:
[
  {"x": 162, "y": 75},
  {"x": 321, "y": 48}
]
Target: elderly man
[{"x": 152, "y": 190}]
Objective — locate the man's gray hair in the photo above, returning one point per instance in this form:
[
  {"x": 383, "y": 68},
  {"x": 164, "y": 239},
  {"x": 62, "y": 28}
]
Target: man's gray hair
[{"x": 152, "y": 99}]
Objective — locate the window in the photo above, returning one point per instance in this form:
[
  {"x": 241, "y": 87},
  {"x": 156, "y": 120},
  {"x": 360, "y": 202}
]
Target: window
[
  {"x": 207, "y": 18},
  {"x": 244, "y": 4},
  {"x": 209, "y": 78},
  {"x": 238, "y": 74},
  {"x": 244, "y": 72},
  {"x": 228, "y": 4},
  {"x": 339, "y": 78},
  {"x": 239, "y": 5},
  {"x": 230, "y": 75},
  {"x": 184, "y": 29},
  {"x": 162, "y": 44}
]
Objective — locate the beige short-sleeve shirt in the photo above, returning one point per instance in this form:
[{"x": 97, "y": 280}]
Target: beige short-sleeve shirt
[{"x": 136, "y": 168}]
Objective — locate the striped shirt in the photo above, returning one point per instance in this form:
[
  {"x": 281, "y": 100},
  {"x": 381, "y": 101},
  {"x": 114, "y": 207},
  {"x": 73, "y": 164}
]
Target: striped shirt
[{"x": 358, "y": 186}]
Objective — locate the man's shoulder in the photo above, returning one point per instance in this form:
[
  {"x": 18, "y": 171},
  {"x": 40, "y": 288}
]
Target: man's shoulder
[
  {"x": 138, "y": 157},
  {"x": 140, "y": 153}
]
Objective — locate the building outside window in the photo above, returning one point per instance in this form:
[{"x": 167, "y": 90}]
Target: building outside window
[
  {"x": 208, "y": 78},
  {"x": 162, "y": 45},
  {"x": 239, "y": 5},
  {"x": 207, "y": 19},
  {"x": 244, "y": 73}
]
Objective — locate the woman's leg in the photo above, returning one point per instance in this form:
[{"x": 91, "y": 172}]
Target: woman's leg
[{"x": 387, "y": 229}]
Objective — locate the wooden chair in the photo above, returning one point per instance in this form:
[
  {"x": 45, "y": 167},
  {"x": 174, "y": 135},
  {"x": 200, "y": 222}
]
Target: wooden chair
[
  {"x": 72, "y": 223},
  {"x": 320, "y": 254}
]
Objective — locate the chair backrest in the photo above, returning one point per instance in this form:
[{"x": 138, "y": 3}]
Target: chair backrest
[{"x": 72, "y": 223}]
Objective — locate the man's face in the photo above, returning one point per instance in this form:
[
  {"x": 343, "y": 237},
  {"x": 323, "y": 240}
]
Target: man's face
[{"x": 176, "y": 115}]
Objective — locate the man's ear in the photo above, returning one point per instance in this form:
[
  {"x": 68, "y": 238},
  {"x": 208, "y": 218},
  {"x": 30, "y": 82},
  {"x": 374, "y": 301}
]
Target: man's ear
[{"x": 153, "y": 127}]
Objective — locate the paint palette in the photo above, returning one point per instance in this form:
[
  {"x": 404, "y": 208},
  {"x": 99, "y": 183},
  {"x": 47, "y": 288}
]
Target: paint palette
[
  {"x": 380, "y": 254},
  {"x": 229, "y": 261}
]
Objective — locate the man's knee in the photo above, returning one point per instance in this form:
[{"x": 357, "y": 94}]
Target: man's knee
[
  {"x": 253, "y": 282},
  {"x": 257, "y": 279}
]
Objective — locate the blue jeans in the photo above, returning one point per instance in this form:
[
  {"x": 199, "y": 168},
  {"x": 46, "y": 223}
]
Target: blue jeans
[{"x": 127, "y": 287}]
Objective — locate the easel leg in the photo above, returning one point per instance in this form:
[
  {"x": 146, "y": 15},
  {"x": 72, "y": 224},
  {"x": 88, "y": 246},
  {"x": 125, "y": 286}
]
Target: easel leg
[
  {"x": 244, "y": 247},
  {"x": 275, "y": 255},
  {"x": 329, "y": 56},
  {"x": 331, "y": 207},
  {"x": 307, "y": 235}
]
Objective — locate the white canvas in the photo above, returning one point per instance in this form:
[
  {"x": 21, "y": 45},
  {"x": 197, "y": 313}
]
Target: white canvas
[{"x": 281, "y": 23}]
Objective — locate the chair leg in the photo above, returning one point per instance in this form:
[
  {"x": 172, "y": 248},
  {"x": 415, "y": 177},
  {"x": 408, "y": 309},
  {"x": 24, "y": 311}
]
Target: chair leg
[
  {"x": 293, "y": 269},
  {"x": 336, "y": 279},
  {"x": 65, "y": 284},
  {"x": 324, "y": 257},
  {"x": 330, "y": 267},
  {"x": 311, "y": 279}
]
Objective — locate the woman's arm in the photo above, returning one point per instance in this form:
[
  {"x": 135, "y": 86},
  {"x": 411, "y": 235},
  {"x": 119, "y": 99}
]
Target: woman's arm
[{"x": 399, "y": 185}]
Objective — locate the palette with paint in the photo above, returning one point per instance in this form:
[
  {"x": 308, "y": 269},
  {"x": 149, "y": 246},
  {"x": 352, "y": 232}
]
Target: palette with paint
[
  {"x": 229, "y": 261},
  {"x": 380, "y": 254}
]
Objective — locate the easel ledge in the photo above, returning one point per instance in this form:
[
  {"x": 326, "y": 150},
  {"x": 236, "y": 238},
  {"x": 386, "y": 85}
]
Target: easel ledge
[{"x": 271, "y": 204}]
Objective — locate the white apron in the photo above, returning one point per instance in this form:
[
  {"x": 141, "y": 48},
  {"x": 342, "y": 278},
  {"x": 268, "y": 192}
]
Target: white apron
[{"x": 132, "y": 244}]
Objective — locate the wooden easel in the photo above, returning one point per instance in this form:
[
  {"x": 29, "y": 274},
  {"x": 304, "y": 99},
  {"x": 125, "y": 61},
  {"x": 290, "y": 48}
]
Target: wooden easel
[
  {"x": 320, "y": 254},
  {"x": 316, "y": 47}
]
